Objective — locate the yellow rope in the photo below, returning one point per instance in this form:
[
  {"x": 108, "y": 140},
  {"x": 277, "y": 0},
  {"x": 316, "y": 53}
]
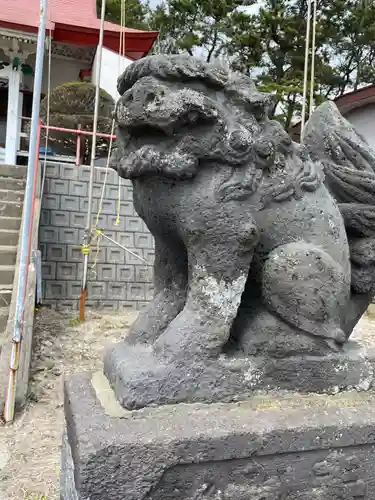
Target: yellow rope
[
  {"x": 98, "y": 239},
  {"x": 86, "y": 249}
]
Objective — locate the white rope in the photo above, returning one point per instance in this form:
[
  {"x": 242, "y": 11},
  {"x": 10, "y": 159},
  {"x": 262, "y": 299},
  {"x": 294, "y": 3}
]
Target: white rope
[
  {"x": 106, "y": 174},
  {"x": 124, "y": 248},
  {"x": 306, "y": 68},
  {"x": 121, "y": 51},
  {"x": 48, "y": 104},
  {"x": 312, "y": 76}
]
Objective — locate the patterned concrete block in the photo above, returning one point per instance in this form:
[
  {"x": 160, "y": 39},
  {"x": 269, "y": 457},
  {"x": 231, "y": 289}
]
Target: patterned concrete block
[
  {"x": 48, "y": 303},
  {"x": 67, "y": 305},
  {"x": 59, "y": 218},
  {"x": 111, "y": 224},
  {"x": 51, "y": 201},
  {"x": 134, "y": 224},
  {"x": 55, "y": 289},
  {"x": 97, "y": 190},
  {"x": 117, "y": 291},
  {"x": 115, "y": 255},
  {"x": 78, "y": 219},
  {"x": 97, "y": 290},
  {"x": 142, "y": 305},
  {"x": 149, "y": 291},
  {"x": 98, "y": 305},
  {"x": 143, "y": 240},
  {"x": 112, "y": 192},
  {"x": 118, "y": 279},
  {"x": 52, "y": 171},
  {"x": 69, "y": 235},
  {"x": 58, "y": 186},
  {"x": 83, "y": 174},
  {"x": 102, "y": 221},
  {"x": 83, "y": 205},
  {"x": 68, "y": 172},
  {"x": 48, "y": 234},
  {"x": 125, "y": 273},
  {"x": 108, "y": 207},
  {"x": 127, "y": 192},
  {"x": 98, "y": 257},
  {"x": 78, "y": 188},
  {"x": 128, "y": 305},
  {"x": 144, "y": 274},
  {"x": 48, "y": 271},
  {"x": 70, "y": 203},
  {"x": 113, "y": 178},
  {"x": 74, "y": 253},
  {"x": 126, "y": 240},
  {"x": 43, "y": 250},
  {"x": 106, "y": 272},
  {"x": 132, "y": 259},
  {"x": 127, "y": 208},
  {"x": 136, "y": 291},
  {"x": 73, "y": 289},
  {"x": 149, "y": 256},
  {"x": 45, "y": 219},
  {"x": 110, "y": 234},
  {"x": 100, "y": 175},
  {"x": 66, "y": 271},
  {"x": 56, "y": 253}
]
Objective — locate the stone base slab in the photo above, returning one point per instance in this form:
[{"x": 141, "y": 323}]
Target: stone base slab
[
  {"x": 269, "y": 447},
  {"x": 139, "y": 379}
]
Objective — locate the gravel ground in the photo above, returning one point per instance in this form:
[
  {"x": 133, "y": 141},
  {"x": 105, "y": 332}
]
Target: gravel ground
[{"x": 30, "y": 449}]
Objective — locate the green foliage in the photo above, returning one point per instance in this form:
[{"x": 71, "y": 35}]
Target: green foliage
[
  {"x": 268, "y": 42},
  {"x": 186, "y": 25},
  {"x": 72, "y": 106},
  {"x": 135, "y": 13}
]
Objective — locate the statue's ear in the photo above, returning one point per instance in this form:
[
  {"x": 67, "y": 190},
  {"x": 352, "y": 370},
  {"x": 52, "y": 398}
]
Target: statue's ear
[{"x": 348, "y": 160}]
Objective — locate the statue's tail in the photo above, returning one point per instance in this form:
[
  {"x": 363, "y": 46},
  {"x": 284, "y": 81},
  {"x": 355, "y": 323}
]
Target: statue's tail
[{"x": 349, "y": 167}]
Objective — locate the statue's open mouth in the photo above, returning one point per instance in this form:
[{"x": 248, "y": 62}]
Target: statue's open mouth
[{"x": 149, "y": 132}]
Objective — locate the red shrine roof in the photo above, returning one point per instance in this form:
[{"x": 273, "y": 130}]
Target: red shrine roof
[{"x": 73, "y": 21}]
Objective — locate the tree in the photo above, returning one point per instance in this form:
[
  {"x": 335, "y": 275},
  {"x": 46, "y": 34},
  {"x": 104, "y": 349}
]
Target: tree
[
  {"x": 72, "y": 106},
  {"x": 354, "y": 49},
  {"x": 270, "y": 46},
  {"x": 268, "y": 43},
  {"x": 193, "y": 26},
  {"x": 135, "y": 13}
]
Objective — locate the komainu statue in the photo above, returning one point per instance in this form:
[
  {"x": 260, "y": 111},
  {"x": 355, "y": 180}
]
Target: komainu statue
[{"x": 264, "y": 248}]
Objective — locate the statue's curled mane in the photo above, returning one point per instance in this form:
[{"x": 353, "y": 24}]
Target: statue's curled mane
[{"x": 222, "y": 119}]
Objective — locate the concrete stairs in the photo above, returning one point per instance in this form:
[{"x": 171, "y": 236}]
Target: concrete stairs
[{"x": 12, "y": 187}]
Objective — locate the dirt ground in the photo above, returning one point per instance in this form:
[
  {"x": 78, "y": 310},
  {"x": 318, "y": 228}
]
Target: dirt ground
[{"x": 30, "y": 449}]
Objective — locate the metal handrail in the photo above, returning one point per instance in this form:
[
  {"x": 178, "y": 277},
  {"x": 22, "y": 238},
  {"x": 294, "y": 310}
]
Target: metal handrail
[
  {"x": 21, "y": 298},
  {"x": 78, "y": 132}
]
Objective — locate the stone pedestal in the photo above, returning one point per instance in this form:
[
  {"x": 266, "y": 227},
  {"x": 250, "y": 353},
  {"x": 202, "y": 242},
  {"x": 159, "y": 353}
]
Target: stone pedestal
[
  {"x": 269, "y": 447},
  {"x": 140, "y": 379}
]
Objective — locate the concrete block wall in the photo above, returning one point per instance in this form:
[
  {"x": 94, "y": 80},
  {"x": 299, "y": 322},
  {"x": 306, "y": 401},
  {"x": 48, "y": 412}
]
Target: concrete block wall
[{"x": 119, "y": 280}]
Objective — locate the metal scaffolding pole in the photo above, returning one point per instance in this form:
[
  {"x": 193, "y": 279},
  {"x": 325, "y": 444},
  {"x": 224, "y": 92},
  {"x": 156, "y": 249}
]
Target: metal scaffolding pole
[
  {"x": 27, "y": 217},
  {"x": 88, "y": 230}
]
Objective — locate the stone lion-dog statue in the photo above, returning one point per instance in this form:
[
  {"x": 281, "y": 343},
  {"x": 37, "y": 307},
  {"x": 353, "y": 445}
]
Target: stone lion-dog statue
[{"x": 264, "y": 248}]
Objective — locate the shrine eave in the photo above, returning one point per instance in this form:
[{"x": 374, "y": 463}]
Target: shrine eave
[{"x": 136, "y": 42}]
